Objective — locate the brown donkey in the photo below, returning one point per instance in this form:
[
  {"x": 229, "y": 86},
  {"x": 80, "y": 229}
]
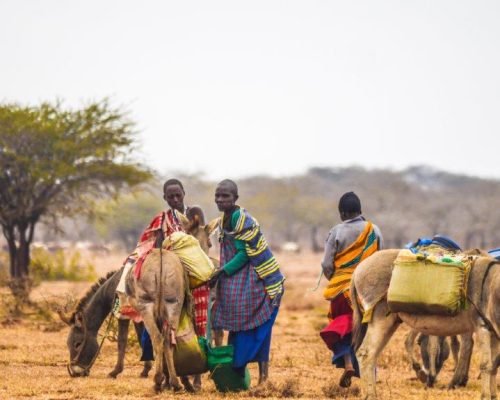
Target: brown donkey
[{"x": 370, "y": 283}]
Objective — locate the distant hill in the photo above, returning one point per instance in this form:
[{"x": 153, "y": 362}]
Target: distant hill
[{"x": 417, "y": 202}]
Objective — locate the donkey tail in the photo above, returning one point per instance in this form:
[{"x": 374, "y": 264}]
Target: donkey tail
[
  {"x": 160, "y": 309},
  {"x": 358, "y": 327}
]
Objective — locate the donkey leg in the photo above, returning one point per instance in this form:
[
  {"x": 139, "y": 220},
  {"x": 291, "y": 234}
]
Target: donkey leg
[
  {"x": 157, "y": 341},
  {"x": 169, "y": 358},
  {"x": 187, "y": 384},
  {"x": 123, "y": 325},
  {"x": 455, "y": 349},
  {"x": 485, "y": 365},
  {"x": 433, "y": 349},
  {"x": 197, "y": 383},
  {"x": 409, "y": 346},
  {"x": 378, "y": 333},
  {"x": 495, "y": 348},
  {"x": 461, "y": 374}
]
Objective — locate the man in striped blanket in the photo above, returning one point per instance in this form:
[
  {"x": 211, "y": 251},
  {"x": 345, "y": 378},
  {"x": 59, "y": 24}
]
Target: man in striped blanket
[{"x": 347, "y": 245}]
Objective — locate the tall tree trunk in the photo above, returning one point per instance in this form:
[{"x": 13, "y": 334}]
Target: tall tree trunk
[
  {"x": 19, "y": 252},
  {"x": 316, "y": 248}
]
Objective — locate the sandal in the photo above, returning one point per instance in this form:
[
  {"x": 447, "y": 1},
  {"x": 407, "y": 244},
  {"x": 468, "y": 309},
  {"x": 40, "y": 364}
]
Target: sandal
[{"x": 345, "y": 379}]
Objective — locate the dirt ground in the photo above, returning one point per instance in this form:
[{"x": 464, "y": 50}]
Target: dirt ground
[{"x": 33, "y": 354}]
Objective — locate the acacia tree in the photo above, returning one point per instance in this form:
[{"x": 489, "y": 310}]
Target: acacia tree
[
  {"x": 55, "y": 162},
  {"x": 126, "y": 218}
]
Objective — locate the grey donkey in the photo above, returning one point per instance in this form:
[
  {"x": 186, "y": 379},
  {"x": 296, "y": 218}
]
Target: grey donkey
[
  {"x": 85, "y": 322},
  {"x": 370, "y": 282},
  {"x": 434, "y": 351},
  {"x": 159, "y": 295}
]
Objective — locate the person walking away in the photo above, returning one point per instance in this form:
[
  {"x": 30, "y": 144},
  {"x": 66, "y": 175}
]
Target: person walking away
[{"x": 348, "y": 243}]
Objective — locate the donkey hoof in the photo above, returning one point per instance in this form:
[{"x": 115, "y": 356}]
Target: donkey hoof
[
  {"x": 197, "y": 386},
  {"x": 422, "y": 376},
  {"x": 113, "y": 374},
  {"x": 157, "y": 387}
]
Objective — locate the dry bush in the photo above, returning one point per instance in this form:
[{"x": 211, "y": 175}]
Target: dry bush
[
  {"x": 334, "y": 391},
  {"x": 288, "y": 389}
]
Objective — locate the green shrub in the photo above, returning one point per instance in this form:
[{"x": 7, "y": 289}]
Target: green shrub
[{"x": 60, "y": 266}]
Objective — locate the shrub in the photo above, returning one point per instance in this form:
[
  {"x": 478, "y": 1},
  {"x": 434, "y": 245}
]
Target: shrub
[{"x": 60, "y": 266}]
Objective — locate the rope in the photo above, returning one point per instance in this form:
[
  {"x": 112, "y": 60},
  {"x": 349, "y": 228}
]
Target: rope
[
  {"x": 102, "y": 342},
  {"x": 317, "y": 284},
  {"x": 485, "y": 319}
]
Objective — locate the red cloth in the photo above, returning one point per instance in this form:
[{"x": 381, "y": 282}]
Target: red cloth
[
  {"x": 200, "y": 296},
  {"x": 340, "y": 325},
  {"x": 171, "y": 224},
  {"x": 147, "y": 242}
]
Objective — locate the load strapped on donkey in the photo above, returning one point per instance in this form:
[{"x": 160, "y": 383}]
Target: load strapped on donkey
[{"x": 429, "y": 278}]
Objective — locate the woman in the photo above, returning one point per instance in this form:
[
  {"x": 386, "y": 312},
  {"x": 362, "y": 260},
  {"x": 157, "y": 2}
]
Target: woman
[{"x": 250, "y": 284}]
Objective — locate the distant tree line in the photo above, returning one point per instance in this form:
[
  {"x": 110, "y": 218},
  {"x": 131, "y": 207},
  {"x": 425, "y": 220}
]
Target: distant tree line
[{"x": 407, "y": 205}]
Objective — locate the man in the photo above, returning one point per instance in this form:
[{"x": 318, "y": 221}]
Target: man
[
  {"x": 250, "y": 284},
  {"x": 163, "y": 225},
  {"x": 347, "y": 245}
]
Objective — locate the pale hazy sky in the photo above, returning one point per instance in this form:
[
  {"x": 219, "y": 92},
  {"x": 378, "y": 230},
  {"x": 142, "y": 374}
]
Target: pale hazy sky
[{"x": 235, "y": 88}]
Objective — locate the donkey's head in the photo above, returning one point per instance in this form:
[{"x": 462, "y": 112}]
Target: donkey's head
[
  {"x": 82, "y": 336},
  {"x": 194, "y": 224},
  {"x": 82, "y": 345}
]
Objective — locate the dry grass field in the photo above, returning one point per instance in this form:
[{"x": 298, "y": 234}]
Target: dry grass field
[{"x": 33, "y": 354}]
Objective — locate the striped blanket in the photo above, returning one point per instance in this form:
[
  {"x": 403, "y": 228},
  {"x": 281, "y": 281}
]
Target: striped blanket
[
  {"x": 261, "y": 258},
  {"x": 346, "y": 261}
]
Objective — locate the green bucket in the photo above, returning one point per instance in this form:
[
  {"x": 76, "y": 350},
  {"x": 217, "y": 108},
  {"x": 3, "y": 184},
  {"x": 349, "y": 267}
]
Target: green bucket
[{"x": 220, "y": 364}]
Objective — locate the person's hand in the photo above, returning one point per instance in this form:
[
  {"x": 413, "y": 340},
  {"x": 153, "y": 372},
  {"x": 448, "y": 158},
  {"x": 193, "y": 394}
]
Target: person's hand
[{"x": 215, "y": 277}]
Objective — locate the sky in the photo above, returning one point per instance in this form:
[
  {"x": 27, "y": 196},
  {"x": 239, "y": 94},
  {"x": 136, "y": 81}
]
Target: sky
[{"x": 237, "y": 88}]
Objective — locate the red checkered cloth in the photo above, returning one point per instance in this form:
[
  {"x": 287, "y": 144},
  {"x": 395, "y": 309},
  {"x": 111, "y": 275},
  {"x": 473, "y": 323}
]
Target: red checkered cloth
[
  {"x": 200, "y": 297},
  {"x": 147, "y": 242},
  {"x": 171, "y": 224}
]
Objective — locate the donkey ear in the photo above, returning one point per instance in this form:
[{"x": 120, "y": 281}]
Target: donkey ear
[
  {"x": 195, "y": 223},
  {"x": 79, "y": 320},
  {"x": 212, "y": 225},
  {"x": 63, "y": 316},
  {"x": 186, "y": 224}
]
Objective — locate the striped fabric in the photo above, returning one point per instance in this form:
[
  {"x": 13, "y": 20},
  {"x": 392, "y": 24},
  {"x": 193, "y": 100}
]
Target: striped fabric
[
  {"x": 247, "y": 229},
  {"x": 200, "y": 298},
  {"x": 169, "y": 222},
  {"x": 347, "y": 260},
  {"x": 241, "y": 302}
]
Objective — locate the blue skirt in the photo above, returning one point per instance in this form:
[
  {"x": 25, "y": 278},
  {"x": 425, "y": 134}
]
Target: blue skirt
[
  {"x": 253, "y": 344},
  {"x": 342, "y": 348}
]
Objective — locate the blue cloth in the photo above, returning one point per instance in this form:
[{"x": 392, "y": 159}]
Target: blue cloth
[
  {"x": 445, "y": 242},
  {"x": 147, "y": 346},
  {"x": 438, "y": 240},
  {"x": 253, "y": 344},
  {"x": 342, "y": 348},
  {"x": 495, "y": 253}
]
